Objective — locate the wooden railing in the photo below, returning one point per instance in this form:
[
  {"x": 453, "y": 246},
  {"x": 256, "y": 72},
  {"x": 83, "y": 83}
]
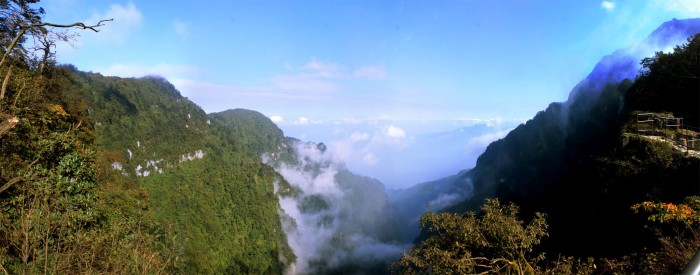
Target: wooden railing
[{"x": 669, "y": 128}]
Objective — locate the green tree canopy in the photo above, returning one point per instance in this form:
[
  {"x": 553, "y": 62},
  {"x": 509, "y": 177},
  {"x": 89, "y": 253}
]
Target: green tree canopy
[{"x": 493, "y": 242}]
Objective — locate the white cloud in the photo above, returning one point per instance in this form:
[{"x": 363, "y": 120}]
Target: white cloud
[
  {"x": 486, "y": 139},
  {"x": 277, "y": 119},
  {"x": 342, "y": 149},
  {"x": 350, "y": 121},
  {"x": 126, "y": 18},
  {"x": 181, "y": 29},
  {"x": 376, "y": 72},
  {"x": 303, "y": 83},
  {"x": 607, "y": 5},
  {"x": 162, "y": 69},
  {"x": 445, "y": 200},
  {"x": 686, "y": 8},
  {"x": 321, "y": 76},
  {"x": 320, "y": 65},
  {"x": 302, "y": 121},
  {"x": 214, "y": 97},
  {"x": 370, "y": 159},
  {"x": 395, "y": 132},
  {"x": 489, "y": 122},
  {"x": 308, "y": 236},
  {"x": 356, "y": 136}
]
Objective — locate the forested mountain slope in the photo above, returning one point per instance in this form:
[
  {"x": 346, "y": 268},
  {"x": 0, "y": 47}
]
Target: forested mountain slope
[
  {"x": 159, "y": 186},
  {"x": 127, "y": 176},
  {"x": 580, "y": 163},
  {"x": 61, "y": 209},
  {"x": 206, "y": 183},
  {"x": 580, "y": 178},
  {"x": 337, "y": 222}
]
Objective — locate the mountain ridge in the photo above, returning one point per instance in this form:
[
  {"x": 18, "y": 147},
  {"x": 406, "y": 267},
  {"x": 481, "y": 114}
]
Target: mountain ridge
[
  {"x": 562, "y": 158},
  {"x": 196, "y": 169}
]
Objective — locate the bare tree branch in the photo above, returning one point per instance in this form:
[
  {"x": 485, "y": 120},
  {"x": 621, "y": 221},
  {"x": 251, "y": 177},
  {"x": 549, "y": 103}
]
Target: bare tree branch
[
  {"x": 7, "y": 125},
  {"x": 10, "y": 183},
  {"x": 12, "y": 45},
  {"x": 79, "y": 25},
  {"x": 14, "y": 180},
  {"x": 4, "y": 83},
  {"x": 23, "y": 29}
]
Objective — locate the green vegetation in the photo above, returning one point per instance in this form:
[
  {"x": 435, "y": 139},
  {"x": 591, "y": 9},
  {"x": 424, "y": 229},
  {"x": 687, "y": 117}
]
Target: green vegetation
[
  {"x": 669, "y": 83},
  {"x": 250, "y": 129},
  {"x": 677, "y": 246},
  {"x": 494, "y": 242},
  {"x": 205, "y": 185},
  {"x": 110, "y": 175},
  {"x": 60, "y": 211},
  {"x": 577, "y": 162},
  {"x": 687, "y": 213}
]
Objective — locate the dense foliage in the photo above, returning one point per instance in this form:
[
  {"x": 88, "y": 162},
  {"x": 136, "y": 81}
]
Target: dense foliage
[
  {"x": 213, "y": 214},
  {"x": 249, "y": 128},
  {"x": 687, "y": 213},
  {"x": 493, "y": 242},
  {"x": 109, "y": 175},
  {"x": 669, "y": 83},
  {"x": 54, "y": 205},
  {"x": 206, "y": 186}
]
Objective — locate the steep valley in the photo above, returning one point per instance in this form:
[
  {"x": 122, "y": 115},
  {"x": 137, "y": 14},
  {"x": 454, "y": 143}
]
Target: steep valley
[{"x": 103, "y": 174}]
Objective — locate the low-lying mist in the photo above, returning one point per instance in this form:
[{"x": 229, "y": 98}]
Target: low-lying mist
[
  {"x": 336, "y": 221},
  {"x": 339, "y": 222},
  {"x": 402, "y": 154}
]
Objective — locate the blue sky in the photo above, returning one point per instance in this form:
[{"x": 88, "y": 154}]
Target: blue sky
[
  {"x": 358, "y": 60},
  {"x": 385, "y": 84}
]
